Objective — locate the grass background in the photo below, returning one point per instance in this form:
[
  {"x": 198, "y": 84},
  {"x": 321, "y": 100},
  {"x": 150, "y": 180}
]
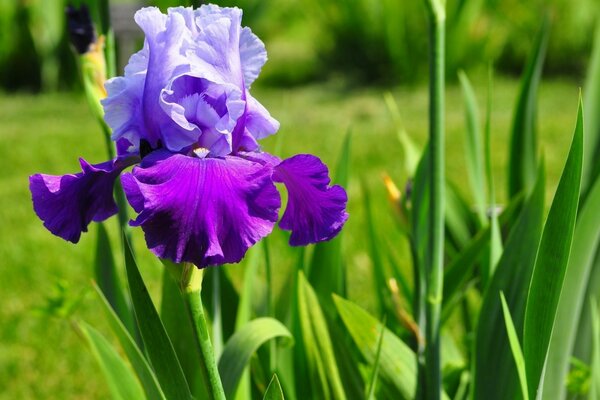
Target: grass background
[{"x": 41, "y": 356}]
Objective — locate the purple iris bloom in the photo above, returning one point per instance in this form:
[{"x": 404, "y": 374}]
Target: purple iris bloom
[{"x": 203, "y": 190}]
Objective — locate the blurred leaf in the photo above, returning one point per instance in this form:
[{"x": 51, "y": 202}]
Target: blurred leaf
[
  {"x": 586, "y": 240},
  {"x": 522, "y": 164},
  {"x": 551, "y": 263},
  {"x": 474, "y": 150},
  {"x": 398, "y": 364},
  {"x": 515, "y": 347},
  {"x": 107, "y": 278},
  {"x": 499, "y": 380},
  {"x": 591, "y": 148},
  {"x": 327, "y": 274},
  {"x": 135, "y": 356},
  {"x": 595, "y": 368},
  {"x": 379, "y": 274},
  {"x": 158, "y": 345},
  {"x": 495, "y": 234},
  {"x": 174, "y": 316},
  {"x": 322, "y": 365},
  {"x": 242, "y": 345},
  {"x": 274, "y": 391},
  {"x": 409, "y": 149},
  {"x": 122, "y": 383},
  {"x": 244, "y": 314},
  {"x": 461, "y": 269},
  {"x": 578, "y": 380},
  {"x": 375, "y": 370}
]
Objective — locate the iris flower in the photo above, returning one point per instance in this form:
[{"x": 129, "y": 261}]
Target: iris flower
[{"x": 183, "y": 115}]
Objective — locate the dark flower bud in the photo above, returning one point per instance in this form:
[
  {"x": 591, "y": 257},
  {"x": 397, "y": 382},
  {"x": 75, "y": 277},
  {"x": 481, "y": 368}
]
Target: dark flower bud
[{"x": 81, "y": 28}]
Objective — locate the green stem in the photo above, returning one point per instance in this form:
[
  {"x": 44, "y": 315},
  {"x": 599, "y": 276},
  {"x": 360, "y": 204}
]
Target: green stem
[
  {"x": 434, "y": 266},
  {"x": 191, "y": 285}
]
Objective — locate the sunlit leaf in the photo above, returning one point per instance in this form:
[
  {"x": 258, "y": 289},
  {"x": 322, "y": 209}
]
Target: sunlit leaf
[
  {"x": 122, "y": 383},
  {"x": 551, "y": 263},
  {"x": 242, "y": 345}
]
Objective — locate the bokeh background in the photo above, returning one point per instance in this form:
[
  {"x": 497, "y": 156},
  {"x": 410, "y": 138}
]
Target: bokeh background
[{"x": 330, "y": 64}]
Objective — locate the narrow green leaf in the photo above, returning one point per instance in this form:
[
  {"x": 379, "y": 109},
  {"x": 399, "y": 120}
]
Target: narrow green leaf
[
  {"x": 522, "y": 164},
  {"x": 274, "y": 391},
  {"x": 174, "y": 316},
  {"x": 244, "y": 315},
  {"x": 135, "y": 356},
  {"x": 551, "y": 263},
  {"x": 326, "y": 272},
  {"x": 496, "y": 236},
  {"x": 158, "y": 345},
  {"x": 474, "y": 150},
  {"x": 591, "y": 148},
  {"x": 499, "y": 380},
  {"x": 107, "y": 278},
  {"x": 409, "y": 149},
  {"x": 317, "y": 342},
  {"x": 375, "y": 371},
  {"x": 122, "y": 383},
  {"x": 515, "y": 347},
  {"x": 461, "y": 269},
  {"x": 398, "y": 364},
  {"x": 586, "y": 240},
  {"x": 242, "y": 345},
  {"x": 594, "y": 385},
  {"x": 379, "y": 274}
]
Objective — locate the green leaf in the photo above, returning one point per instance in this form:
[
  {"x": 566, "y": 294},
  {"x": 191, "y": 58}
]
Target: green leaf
[
  {"x": 499, "y": 380},
  {"x": 595, "y": 367},
  {"x": 496, "y": 236},
  {"x": 375, "y": 371},
  {"x": 515, "y": 347},
  {"x": 522, "y": 164},
  {"x": 461, "y": 269},
  {"x": 379, "y": 274},
  {"x": 122, "y": 383},
  {"x": 174, "y": 316},
  {"x": 158, "y": 345},
  {"x": 326, "y": 272},
  {"x": 398, "y": 364},
  {"x": 135, "y": 356},
  {"x": 242, "y": 345},
  {"x": 551, "y": 263},
  {"x": 409, "y": 149},
  {"x": 591, "y": 148},
  {"x": 107, "y": 278},
  {"x": 274, "y": 391},
  {"x": 244, "y": 314},
  {"x": 474, "y": 150},
  {"x": 320, "y": 354},
  {"x": 586, "y": 240}
]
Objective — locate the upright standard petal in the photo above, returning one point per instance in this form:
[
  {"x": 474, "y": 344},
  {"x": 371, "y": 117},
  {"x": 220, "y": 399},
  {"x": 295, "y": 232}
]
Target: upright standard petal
[
  {"x": 207, "y": 211},
  {"x": 315, "y": 211},
  {"x": 68, "y": 203}
]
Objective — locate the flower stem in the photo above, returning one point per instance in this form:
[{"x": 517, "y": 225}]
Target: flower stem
[
  {"x": 434, "y": 264},
  {"x": 191, "y": 286}
]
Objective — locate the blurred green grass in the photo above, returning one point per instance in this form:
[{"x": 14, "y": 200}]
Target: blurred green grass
[{"x": 41, "y": 357}]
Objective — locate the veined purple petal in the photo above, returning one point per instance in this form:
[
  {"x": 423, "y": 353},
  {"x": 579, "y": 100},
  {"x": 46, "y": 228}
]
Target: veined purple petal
[
  {"x": 207, "y": 211},
  {"x": 315, "y": 211},
  {"x": 68, "y": 203}
]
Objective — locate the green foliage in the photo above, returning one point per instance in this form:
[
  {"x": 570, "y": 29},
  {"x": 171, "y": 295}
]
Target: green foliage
[
  {"x": 121, "y": 381},
  {"x": 242, "y": 346},
  {"x": 551, "y": 264}
]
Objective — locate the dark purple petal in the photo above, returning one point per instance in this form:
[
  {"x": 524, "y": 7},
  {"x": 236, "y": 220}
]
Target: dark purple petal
[
  {"x": 68, "y": 203},
  {"x": 207, "y": 211},
  {"x": 315, "y": 211}
]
